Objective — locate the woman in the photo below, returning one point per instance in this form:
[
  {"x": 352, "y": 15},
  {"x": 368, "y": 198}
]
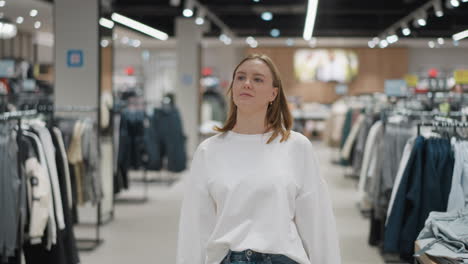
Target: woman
[{"x": 254, "y": 193}]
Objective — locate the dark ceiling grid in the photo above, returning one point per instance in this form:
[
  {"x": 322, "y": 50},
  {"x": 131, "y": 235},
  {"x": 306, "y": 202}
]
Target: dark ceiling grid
[{"x": 335, "y": 18}]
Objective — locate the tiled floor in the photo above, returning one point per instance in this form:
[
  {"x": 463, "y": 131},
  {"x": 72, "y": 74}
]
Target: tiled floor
[{"x": 147, "y": 233}]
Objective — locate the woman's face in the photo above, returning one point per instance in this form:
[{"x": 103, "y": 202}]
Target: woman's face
[{"x": 252, "y": 87}]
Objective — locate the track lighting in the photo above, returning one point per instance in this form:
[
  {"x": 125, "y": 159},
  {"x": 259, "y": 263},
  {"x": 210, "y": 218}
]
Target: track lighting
[{"x": 438, "y": 8}]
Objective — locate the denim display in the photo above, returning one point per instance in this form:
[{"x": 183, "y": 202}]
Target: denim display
[
  {"x": 252, "y": 257},
  {"x": 424, "y": 188},
  {"x": 446, "y": 235}
]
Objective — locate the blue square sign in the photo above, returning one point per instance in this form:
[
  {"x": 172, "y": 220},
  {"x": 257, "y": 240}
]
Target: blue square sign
[{"x": 74, "y": 58}]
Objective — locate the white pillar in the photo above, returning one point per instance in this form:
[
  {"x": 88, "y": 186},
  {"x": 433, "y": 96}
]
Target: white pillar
[
  {"x": 76, "y": 52},
  {"x": 188, "y": 78}
]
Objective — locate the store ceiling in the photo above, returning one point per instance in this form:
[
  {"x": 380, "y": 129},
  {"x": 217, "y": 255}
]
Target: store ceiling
[{"x": 335, "y": 18}]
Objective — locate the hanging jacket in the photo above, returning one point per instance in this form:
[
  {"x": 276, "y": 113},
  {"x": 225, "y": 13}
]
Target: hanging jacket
[{"x": 165, "y": 138}]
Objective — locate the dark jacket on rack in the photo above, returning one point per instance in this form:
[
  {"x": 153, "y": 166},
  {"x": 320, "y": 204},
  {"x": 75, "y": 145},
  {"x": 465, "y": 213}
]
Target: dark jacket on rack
[
  {"x": 424, "y": 188},
  {"x": 131, "y": 143},
  {"x": 165, "y": 138}
]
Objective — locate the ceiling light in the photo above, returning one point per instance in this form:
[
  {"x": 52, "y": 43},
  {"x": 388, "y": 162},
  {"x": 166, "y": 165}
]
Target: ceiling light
[
  {"x": 371, "y": 44},
  {"x": 383, "y": 44},
  {"x": 19, "y": 20},
  {"x": 188, "y": 13},
  {"x": 225, "y": 39},
  {"x": 254, "y": 44},
  {"x": 33, "y": 13},
  {"x": 106, "y": 23},
  {"x": 136, "y": 43},
  {"x": 464, "y": 1},
  {"x": 310, "y": 19},
  {"x": 188, "y": 10},
  {"x": 104, "y": 43},
  {"x": 454, "y": 3},
  {"x": 376, "y": 40},
  {"x": 422, "y": 22},
  {"x": 250, "y": 40},
  {"x": 139, "y": 26},
  {"x": 7, "y": 29},
  {"x": 37, "y": 24},
  {"x": 438, "y": 9},
  {"x": 406, "y": 31},
  {"x": 440, "y": 41},
  {"x": 200, "y": 20},
  {"x": 275, "y": 32},
  {"x": 2, "y": 3},
  {"x": 290, "y": 42},
  {"x": 460, "y": 35},
  {"x": 392, "y": 38},
  {"x": 431, "y": 44},
  {"x": 267, "y": 16},
  {"x": 256, "y": 1}
]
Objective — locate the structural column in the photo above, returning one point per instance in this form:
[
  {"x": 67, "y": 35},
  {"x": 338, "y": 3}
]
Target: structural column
[
  {"x": 188, "y": 78},
  {"x": 76, "y": 52}
]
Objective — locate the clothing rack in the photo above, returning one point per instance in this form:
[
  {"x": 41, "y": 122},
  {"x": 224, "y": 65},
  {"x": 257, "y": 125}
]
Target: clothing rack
[
  {"x": 84, "y": 244},
  {"x": 144, "y": 178},
  {"x": 18, "y": 115},
  {"x": 444, "y": 124}
]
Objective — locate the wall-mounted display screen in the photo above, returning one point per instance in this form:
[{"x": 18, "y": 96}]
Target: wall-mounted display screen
[{"x": 326, "y": 65}]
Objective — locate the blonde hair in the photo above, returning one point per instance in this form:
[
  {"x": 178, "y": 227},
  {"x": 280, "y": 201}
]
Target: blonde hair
[{"x": 278, "y": 116}]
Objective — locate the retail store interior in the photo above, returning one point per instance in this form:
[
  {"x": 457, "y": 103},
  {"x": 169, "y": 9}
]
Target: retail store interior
[{"x": 103, "y": 104}]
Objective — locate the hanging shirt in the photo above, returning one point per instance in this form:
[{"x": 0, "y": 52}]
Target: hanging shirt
[{"x": 245, "y": 194}]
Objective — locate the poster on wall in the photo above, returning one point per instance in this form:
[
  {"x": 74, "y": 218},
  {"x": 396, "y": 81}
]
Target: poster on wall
[{"x": 325, "y": 65}]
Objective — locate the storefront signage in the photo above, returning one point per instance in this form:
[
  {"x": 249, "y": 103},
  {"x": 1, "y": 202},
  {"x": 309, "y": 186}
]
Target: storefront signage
[
  {"x": 461, "y": 76},
  {"x": 75, "y": 58},
  {"x": 396, "y": 88},
  {"x": 411, "y": 80}
]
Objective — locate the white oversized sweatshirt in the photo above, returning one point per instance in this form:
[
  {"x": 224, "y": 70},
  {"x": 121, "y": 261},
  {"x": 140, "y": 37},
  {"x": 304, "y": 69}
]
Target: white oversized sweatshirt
[{"x": 242, "y": 193}]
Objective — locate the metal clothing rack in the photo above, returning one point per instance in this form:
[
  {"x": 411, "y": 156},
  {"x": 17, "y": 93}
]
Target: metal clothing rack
[
  {"x": 83, "y": 244},
  {"x": 444, "y": 124},
  {"x": 5, "y": 117}
]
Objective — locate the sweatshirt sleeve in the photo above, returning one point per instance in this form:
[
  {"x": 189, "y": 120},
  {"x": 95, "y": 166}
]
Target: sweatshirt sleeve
[
  {"x": 314, "y": 214},
  {"x": 198, "y": 214}
]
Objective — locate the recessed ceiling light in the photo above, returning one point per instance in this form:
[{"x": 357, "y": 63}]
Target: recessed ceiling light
[
  {"x": 256, "y": 1},
  {"x": 431, "y": 44},
  {"x": 19, "y": 20},
  {"x": 136, "y": 43},
  {"x": 440, "y": 41},
  {"x": 33, "y": 13},
  {"x": 267, "y": 16},
  {"x": 188, "y": 13},
  {"x": 199, "y": 21},
  {"x": 290, "y": 42},
  {"x": 371, "y": 44},
  {"x": 37, "y": 24},
  {"x": 104, "y": 43},
  {"x": 275, "y": 32}
]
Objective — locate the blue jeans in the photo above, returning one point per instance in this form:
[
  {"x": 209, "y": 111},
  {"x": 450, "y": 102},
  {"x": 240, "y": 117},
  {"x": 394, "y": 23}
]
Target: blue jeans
[{"x": 252, "y": 257}]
